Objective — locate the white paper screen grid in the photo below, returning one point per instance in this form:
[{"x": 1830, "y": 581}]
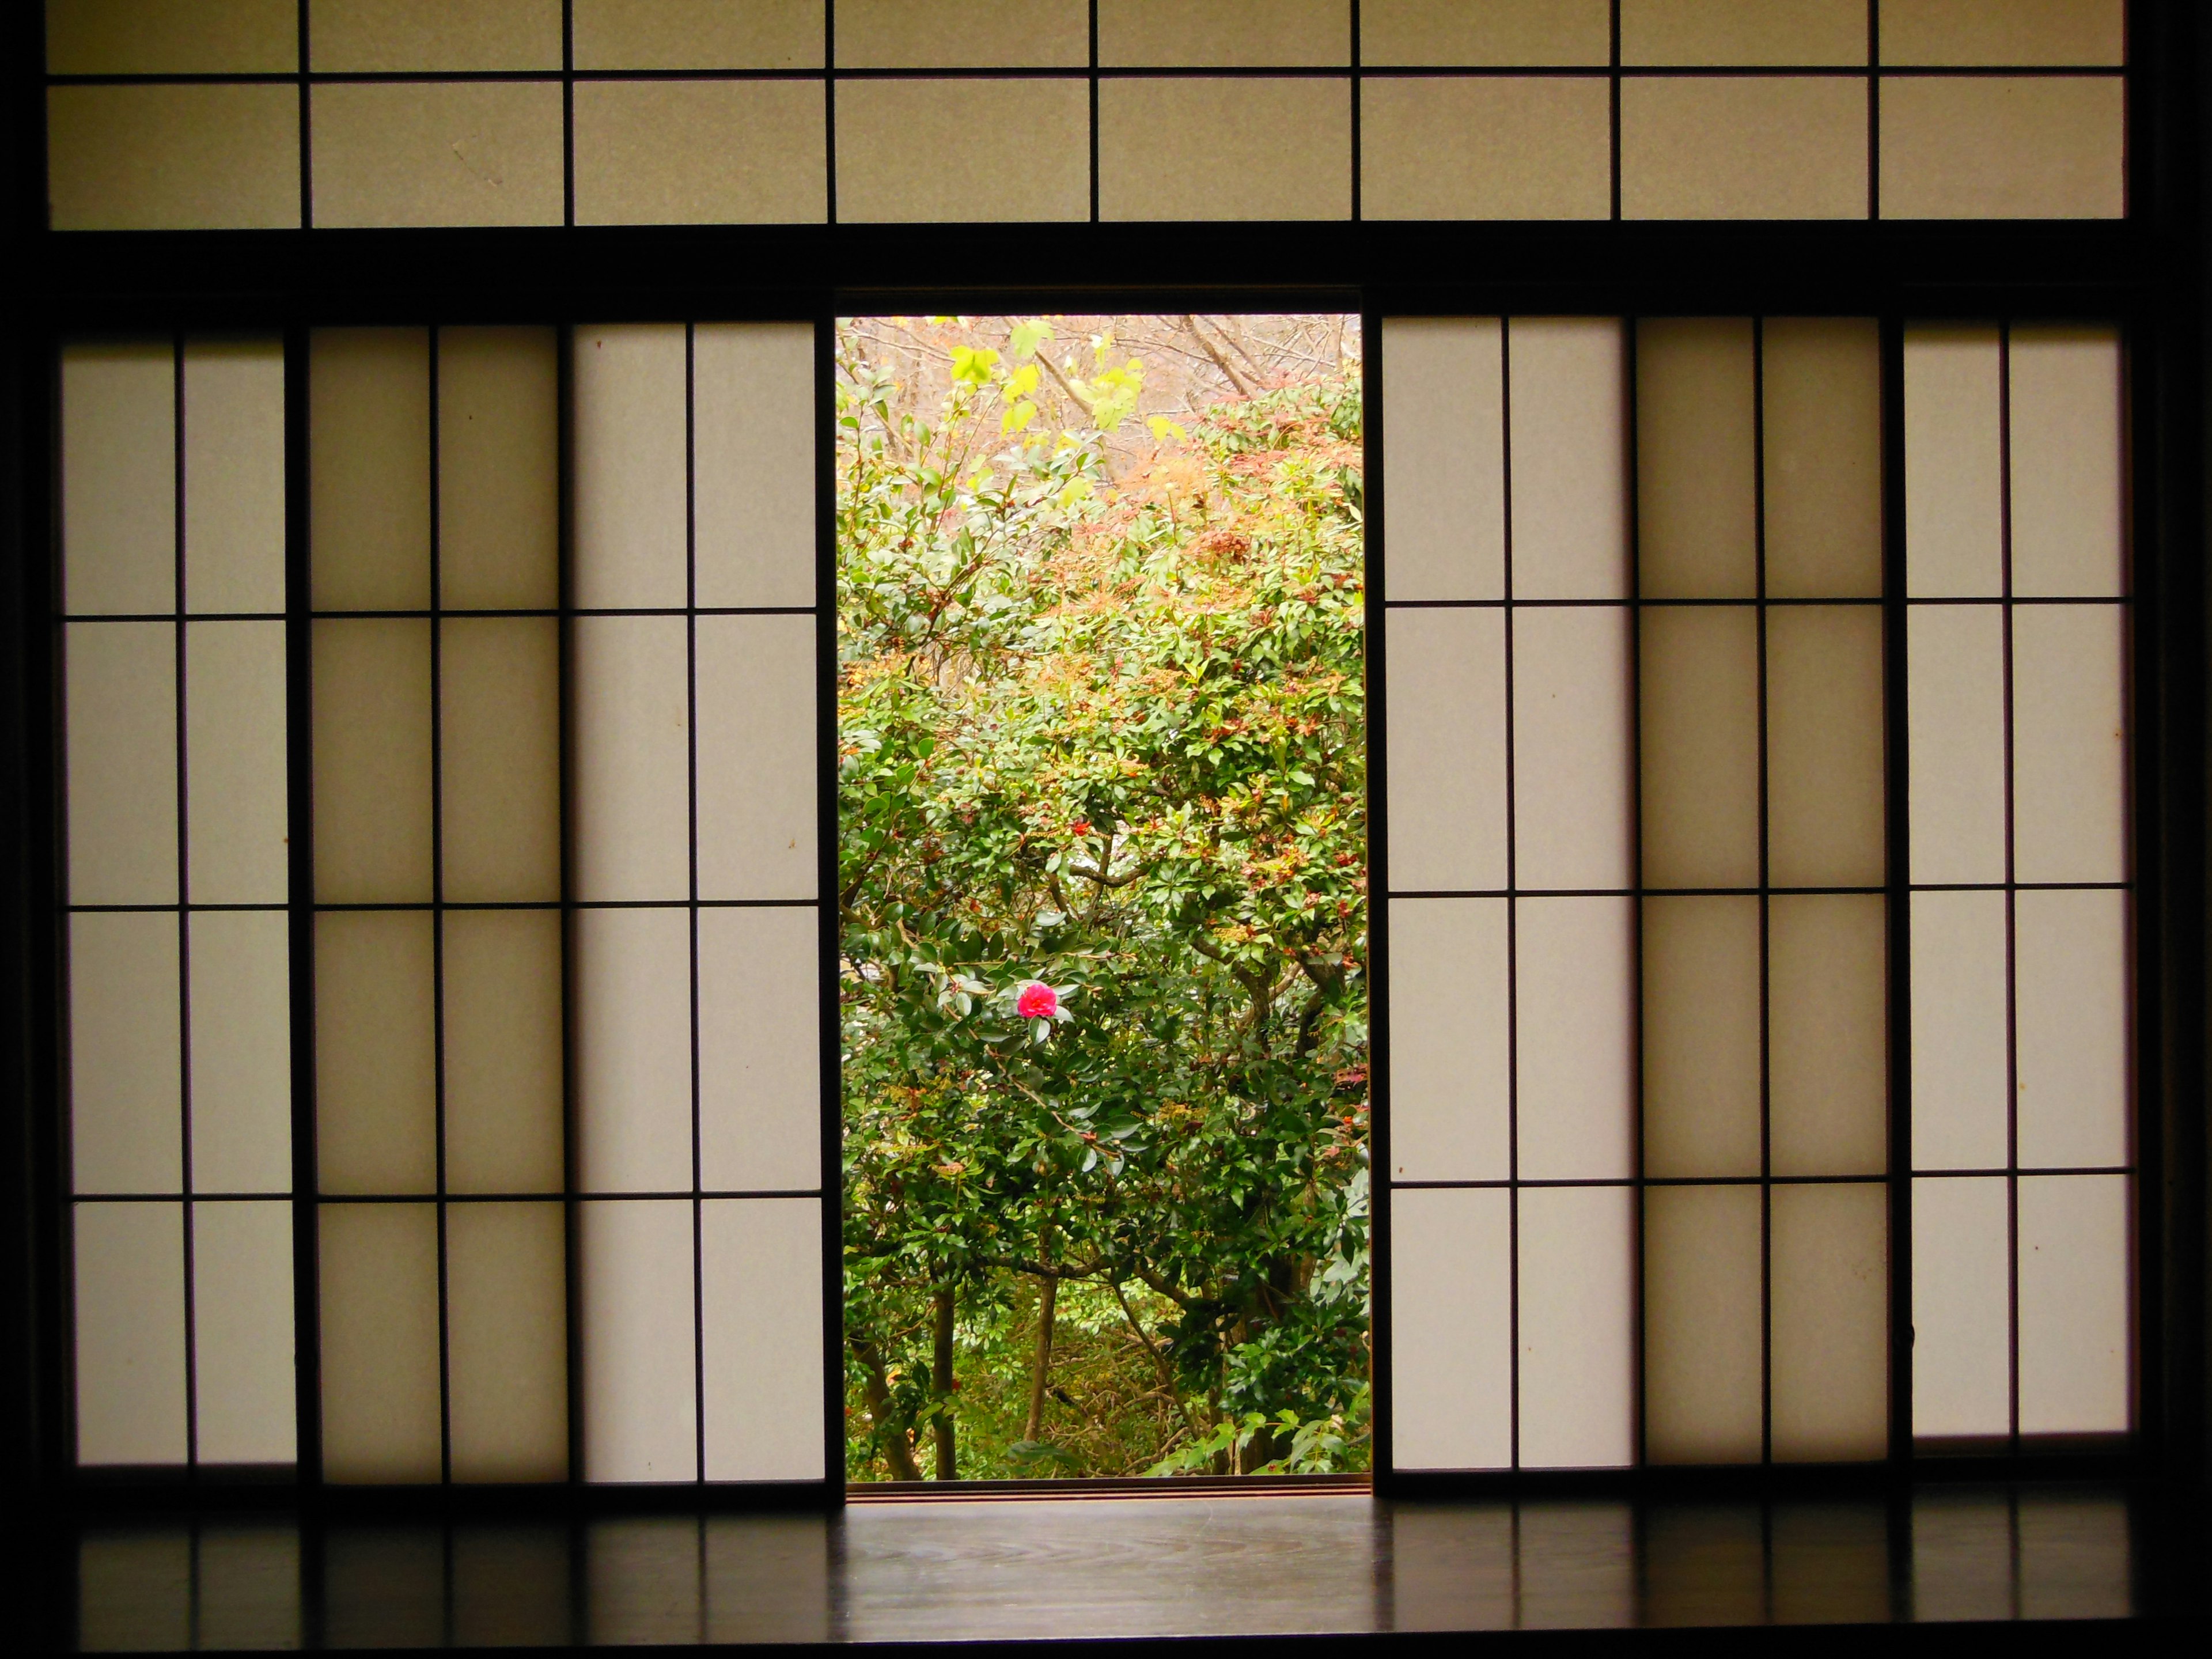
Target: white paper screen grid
[
  {"x": 696, "y": 925},
  {"x": 178, "y": 986},
  {"x": 2022, "y": 934},
  {"x": 1509, "y": 698}
]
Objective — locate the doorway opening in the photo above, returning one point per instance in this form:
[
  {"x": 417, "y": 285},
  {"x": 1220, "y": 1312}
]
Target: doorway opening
[{"x": 1103, "y": 898}]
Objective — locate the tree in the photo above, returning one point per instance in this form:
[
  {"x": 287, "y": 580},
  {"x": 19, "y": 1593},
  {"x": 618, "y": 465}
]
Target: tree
[{"x": 1103, "y": 899}]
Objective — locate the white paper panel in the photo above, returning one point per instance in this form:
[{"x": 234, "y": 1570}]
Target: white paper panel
[
  {"x": 1446, "y": 746},
  {"x": 502, "y": 981},
  {"x": 1571, "y": 773},
  {"x": 1569, "y": 458},
  {"x": 499, "y": 459},
  {"x": 379, "y": 1308},
  {"x": 2074, "y": 1313},
  {"x": 1827, "y": 1037},
  {"x": 373, "y": 781},
  {"x": 242, "y": 985},
  {"x": 758, "y": 766},
  {"x": 1829, "y": 1303},
  {"x": 1448, "y": 1040},
  {"x": 499, "y": 711},
  {"x": 1696, "y": 453},
  {"x": 1961, "y": 1337},
  {"x": 234, "y": 762},
  {"x": 1698, "y": 673},
  {"x": 760, "y": 1049},
  {"x": 1701, "y": 1037},
  {"x": 2068, "y": 516},
  {"x": 1959, "y": 1055},
  {"x": 1574, "y": 986},
  {"x": 2069, "y": 742},
  {"x": 628, "y": 446},
  {"x": 640, "y": 1415},
  {"x": 1451, "y": 1329},
  {"x": 1954, "y": 506},
  {"x": 122, "y": 757},
  {"x": 630, "y": 740},
  {"x": 1820, "y": 383},
  {"x": 1954, "y": 720},
  {"x": 761, "y": 1262},
  {"x": 375, "y": 1052},
  {"x": 235, "y": 475},
  {"x": 368, "y": 453},
  {"x": 507, "y": 1334},
  {"x": 632, "y": 1014},
  {"x": 1443, "y": 456},
  {"x": 1577, "y": 1326},
  {"x": 119, "y": 478},
  {"x": 129, "y": 1309},
  {"x": 242, "y": 1340},
  {"x": 1702, "y": 1383},
  {"x": 2070, "y": 951},
  {"x": 1825, "y": 739},
  {"x": 125, "y": 1132},
  {"x": 752, "y": 393}
]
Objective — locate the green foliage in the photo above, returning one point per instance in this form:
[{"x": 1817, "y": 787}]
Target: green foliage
[{"x": 1102, "y": 741}]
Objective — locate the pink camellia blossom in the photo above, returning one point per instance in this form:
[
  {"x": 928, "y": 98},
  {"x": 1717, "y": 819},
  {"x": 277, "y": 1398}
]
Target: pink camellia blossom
[{"x": 1037, "y": 1002}]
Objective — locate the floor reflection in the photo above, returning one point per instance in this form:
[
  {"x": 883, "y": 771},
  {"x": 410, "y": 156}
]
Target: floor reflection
[{"x": 1111, "y": 1567}]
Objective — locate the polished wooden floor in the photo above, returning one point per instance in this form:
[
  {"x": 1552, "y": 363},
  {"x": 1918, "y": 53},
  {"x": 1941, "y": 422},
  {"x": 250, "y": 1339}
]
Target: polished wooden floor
[{"x": 1213, "y": 1566}]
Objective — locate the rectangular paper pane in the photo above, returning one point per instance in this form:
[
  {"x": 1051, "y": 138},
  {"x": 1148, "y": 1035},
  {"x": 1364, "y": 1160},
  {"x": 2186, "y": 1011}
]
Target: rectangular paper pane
[
  {"x": 752, "y": 399},
  {"x": 1701, "y": 1037},
  {"x": 1572, "y": 775},
  {"x": 1789, "y": 33},
  {"x": 760, "y": 1260},
  {"x": 119, "y": 478},
  {"x": 1820, "y": 432},
  {"x": 126, "y": 1132},
  {"x": 1959, "y": 1067},
  {"x": 630, "y": 457},
  {"x": 1830, "y": 1308},
  {"x": 1702, "y": 1374},
  {"x": 1485, "y": 147},
  {"x": 1699, "y": 693},
  {"x": 503, "y": 983},
  {"x": 369, "y": 459},
  {"x": 1825, "y": 795},
  {"x": 130, "y": 1315},
  {"x": 1955, "y": 727},
  {"x": 760, "y": 1049},
  {"x": 1451, "y": 1347},
  {"x": 1577, "y": 1326},
  {"x": 1696, "y": 447},
  {"x": 1569, "y": 458},
  {"x": 372, "y": 734},
  {"x": 375, "y": 1062},
  {"x": 1954, "y": 510},
  {"x": 242, "y": 1337},
  {"x": 1961, "y": 1348},
  {"x": 235, "y": 767},
  {"x": 2075, "y": 1354},
  {"x": 499, "y": 696},
  {"x": 2066, "y": 34},
  {"x": 631, "y": 756},
  {"x": 2070, "y": 951},
  {"x": 758, "y": 770},
  {"x": 380, "y": 1326},
  {"x": 507, "y": 1331},
  {"x": 1574, "y": 990},
  {"x": 235, "y": 475},
  {"x": 121, "y": 704},
  {"x": 1448, "y": 1077},
  {"x": 1444, "y": 454},
  {"x": 640, "y": 1411},
  {"x": 1446, "y": 746},
  {"x": 633, "y": 1049},
  {"x": 242, "y": 985},
  {"x": 2069, "y": 517},
  {"x": 1827, "y": 1033},
  {"x": 499, "y": 489},
  {"x": 2004, "y": 147},
  {"x": 2069, "y": 742}
]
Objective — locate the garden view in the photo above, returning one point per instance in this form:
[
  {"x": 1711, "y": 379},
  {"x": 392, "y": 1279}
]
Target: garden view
[{"x": 1103, "y": 896}]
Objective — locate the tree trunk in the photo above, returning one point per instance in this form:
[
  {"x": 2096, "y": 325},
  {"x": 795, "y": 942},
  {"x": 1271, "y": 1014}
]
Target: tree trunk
[
  {"x": 898, "y": 1451},
  {"x": 940, "y": 1382},
  {"x": 1040, "y": 1372}
]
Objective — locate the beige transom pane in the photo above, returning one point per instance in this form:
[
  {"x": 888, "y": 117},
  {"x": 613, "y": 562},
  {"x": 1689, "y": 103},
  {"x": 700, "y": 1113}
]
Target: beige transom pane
[
  {"x": 1744, "y": 147},
  {"x": 1996, "y": 146},
  {"x": 1794, "y": 33},
  {"x": 1193, "y": 149},
  {"x": 402, "y": 154},
  {"x": 174, "y": 157},
  {"x": 697, "y": 34},
  {"x": 172, "y": 37},
  {"x": 1485, "y": 33},
  {"x": 1974, "y": 33},
  {"x": 701, "y": 152},
  {"x": 935, "y": 150},
  {"x": 1485, "y": 147},
  {"x": 1223, "y": 34},
  {"x": 411, "y": 36},
  {"x": 963, "y": 34}
]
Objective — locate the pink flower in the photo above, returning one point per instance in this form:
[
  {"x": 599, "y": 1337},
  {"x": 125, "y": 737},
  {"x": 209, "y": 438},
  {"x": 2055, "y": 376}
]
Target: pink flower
[{"x": 1037, "y": 1002}]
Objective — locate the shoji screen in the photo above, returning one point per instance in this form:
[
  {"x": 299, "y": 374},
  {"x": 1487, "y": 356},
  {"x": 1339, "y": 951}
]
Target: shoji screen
[
  {"x": 1634, "y": 854},
  {"x": 696, "y": 983},
  {"x": 178, "y": 1050},
  {"x": 2016, "y": 579}
]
